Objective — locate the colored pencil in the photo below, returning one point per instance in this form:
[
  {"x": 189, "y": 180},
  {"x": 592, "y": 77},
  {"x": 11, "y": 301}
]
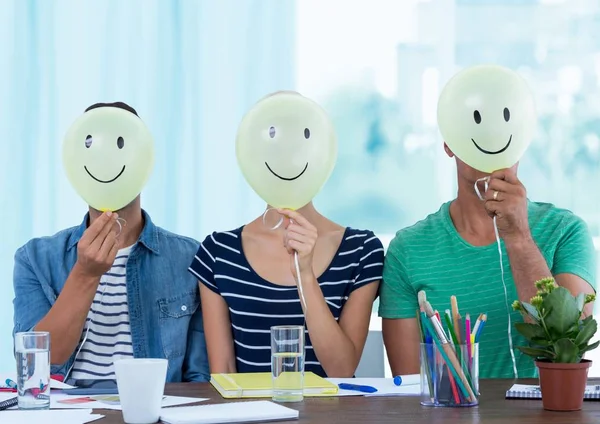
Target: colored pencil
[
  {"x": 453, "y": 385},
  {"x": 450, "y": 327},
  {"x": 453, "y": 336},
  {"x": 468, "y": 337},
  {"x": 480, "y": 329},
  {"x": 455, "y": 317},
  {"x": 477, "y": 324}
]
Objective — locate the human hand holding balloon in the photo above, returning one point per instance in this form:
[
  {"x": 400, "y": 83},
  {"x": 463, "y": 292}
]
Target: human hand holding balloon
[
  {"x": 98, "y": 246},
  {"x": 301, "y": 238},
  {"x": 506, "y": 199}
]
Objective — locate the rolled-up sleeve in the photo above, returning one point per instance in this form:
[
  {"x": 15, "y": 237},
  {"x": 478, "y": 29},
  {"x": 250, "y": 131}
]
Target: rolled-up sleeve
[{"x": 30, "y": 302}]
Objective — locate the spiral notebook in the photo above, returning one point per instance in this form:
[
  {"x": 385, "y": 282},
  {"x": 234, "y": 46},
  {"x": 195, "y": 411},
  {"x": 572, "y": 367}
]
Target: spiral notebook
[
  {"x": 260, "y": 385},
  {"x": 523, "y": 391}
]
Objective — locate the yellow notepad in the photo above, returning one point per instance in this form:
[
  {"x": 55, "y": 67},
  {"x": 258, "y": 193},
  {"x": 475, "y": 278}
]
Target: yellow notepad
[{"x": 260, "y": 385}]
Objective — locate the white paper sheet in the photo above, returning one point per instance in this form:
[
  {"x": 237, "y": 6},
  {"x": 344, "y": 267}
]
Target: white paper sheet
[
  {"x": 105, "y": 402},
  {"x": 54, "y": 384},
  {"x": 81, "y": 416},
  {"x": 411, "y": 386},
  {"x": 254, "y": 411},
  {"x": 55, "y": 404}
]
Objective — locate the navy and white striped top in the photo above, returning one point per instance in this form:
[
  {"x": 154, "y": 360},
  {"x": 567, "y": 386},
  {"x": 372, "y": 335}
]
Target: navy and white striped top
[
  {"x": 255, "y": 304},
  {"x": 106, "y": 336}
]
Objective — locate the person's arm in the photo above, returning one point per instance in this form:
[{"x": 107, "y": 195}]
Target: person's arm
[
  {"x": 96, "y": 253},
  {"x": 398, "y": 307},
  {"x": 217, "y": 330},
  {"x": 574, "y": 264},
  {"x": 337, "y": 346},
  {"x": 215, "y": 313},
  {"x": 506, "y": 199},
  {"x": 528, "y": 265}
]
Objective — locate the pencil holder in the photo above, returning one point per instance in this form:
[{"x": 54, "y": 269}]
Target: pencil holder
[{"x": 449, "y": 375}]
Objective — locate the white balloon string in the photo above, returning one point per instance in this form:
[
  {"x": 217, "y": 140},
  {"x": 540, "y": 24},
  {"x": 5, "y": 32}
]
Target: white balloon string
[
  {"x": 120, "y": 225},
  {"x": 486, "y": 181},
  {"x": 296, "y": 260}
]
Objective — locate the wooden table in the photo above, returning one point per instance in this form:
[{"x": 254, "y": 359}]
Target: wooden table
[{"x": 493, "y": 408}]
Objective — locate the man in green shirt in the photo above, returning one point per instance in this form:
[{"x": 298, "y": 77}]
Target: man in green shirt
[{"x": 454, "y": 252}]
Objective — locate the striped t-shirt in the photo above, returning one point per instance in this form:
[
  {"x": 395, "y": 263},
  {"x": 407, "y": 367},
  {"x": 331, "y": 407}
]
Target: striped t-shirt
[
  {"x": 255, "y": 304},
  {"x": 433, "y": 257},
  {"x": 107, "y": 326}
]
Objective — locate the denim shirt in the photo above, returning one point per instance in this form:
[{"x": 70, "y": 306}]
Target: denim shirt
[{"x": 163, "y": 297}]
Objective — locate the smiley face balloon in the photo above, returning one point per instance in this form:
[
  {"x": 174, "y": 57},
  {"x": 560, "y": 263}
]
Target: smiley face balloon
[
  {"x": 108, "y": 155},
  {"x": 487, "y": 117},
  {"x": 286, "y": 149}
]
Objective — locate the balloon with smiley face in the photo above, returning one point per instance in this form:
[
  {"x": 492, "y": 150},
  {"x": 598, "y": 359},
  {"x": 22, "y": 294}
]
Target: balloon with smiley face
[
  {"x": 286, "y": 148},
  {"x": 487, "y": 117},
  {"x": 108, "y": 155}
]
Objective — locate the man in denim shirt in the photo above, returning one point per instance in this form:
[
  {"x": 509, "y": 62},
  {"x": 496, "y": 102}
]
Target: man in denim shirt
[{"x": 106, "y": 291}]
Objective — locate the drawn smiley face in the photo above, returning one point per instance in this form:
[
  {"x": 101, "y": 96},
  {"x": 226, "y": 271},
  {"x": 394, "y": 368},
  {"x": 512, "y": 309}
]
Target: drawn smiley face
[
  {"x": 108, "y": 155},
  {"x": 286, "y": 149},
  {"x": 487, "y": 117}
]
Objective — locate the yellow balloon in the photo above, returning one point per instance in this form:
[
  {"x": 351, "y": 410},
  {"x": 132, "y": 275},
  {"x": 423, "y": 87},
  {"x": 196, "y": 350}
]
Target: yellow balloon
[
  {"x": 108, "y": 155},
  {"x": 286, "y": 148},
  {"x": 487, "y": 117}
]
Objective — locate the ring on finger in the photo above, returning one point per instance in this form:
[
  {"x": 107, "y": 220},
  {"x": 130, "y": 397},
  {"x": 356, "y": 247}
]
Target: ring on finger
[{"x": 495, "y": 195}]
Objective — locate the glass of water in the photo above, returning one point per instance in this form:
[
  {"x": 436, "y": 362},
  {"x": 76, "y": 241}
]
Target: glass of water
[
  {"x": 33, "y": 369},
  {"x": 287, "y": 363}
]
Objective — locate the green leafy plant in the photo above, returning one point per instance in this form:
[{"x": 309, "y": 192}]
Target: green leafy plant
[{"x": 554, "y": 324}]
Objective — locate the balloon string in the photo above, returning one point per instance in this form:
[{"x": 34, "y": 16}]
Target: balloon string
[
  {"x": 486, "y": 181},
  {"x": 121, "y": 225},
  {"x": 296, "y": 260}
]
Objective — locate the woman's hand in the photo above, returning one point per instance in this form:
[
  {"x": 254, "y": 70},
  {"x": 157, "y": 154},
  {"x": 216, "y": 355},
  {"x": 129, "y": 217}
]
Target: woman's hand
[{"x": 300, "y": 236}]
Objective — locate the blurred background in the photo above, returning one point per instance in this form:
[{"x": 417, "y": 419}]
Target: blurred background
[{"x": 192, "y": 68}]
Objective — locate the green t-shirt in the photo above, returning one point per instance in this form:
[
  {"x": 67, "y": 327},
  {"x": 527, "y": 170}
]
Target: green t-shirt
[{"x": 432, "y": 256}]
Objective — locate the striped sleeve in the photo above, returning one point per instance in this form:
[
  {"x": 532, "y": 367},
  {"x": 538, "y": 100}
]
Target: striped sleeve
[
  {"x": 370, "y": 265},
  {"x": 398, "y": 298},
  {"x": 575, "y": 253},
  {"x": 203, "y": 264}
]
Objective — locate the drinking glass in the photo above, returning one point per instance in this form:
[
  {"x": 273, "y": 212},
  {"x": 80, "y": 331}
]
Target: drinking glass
[
  {"x": 33, "y": 369},
  {"x": 287, "y": 363}
]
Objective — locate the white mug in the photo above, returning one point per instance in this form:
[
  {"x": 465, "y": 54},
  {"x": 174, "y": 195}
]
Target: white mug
[{"x": 141, "y": 384}]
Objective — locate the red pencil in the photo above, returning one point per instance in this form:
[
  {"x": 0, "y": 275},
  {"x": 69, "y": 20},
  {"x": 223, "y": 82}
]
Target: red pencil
[{"x": 454, "y": 389}]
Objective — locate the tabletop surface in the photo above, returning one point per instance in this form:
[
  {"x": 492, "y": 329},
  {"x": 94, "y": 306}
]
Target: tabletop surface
[{"x": 493, "y": 408}]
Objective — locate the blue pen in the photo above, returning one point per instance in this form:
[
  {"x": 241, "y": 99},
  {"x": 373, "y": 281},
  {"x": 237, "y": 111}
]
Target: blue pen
[
  {"x": 357, "y": 388},
  {"x": 397, "y": 380},
  {"x": 11, "y": 384}
]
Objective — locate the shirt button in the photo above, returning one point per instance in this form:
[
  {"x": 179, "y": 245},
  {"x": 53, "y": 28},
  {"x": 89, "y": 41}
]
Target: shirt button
[{"x": 183, "y": 308}]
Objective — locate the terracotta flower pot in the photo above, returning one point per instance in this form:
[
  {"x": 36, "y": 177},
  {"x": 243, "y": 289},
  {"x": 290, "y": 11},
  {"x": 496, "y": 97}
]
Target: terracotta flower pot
[{"x": 563, "y": 385}]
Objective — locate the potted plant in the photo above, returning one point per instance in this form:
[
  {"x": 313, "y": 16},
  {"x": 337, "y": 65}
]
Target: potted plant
[{"x": 558, "y": 338}]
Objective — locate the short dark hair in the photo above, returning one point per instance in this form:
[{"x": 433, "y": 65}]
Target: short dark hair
[{"x": 120, "y": 105}]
